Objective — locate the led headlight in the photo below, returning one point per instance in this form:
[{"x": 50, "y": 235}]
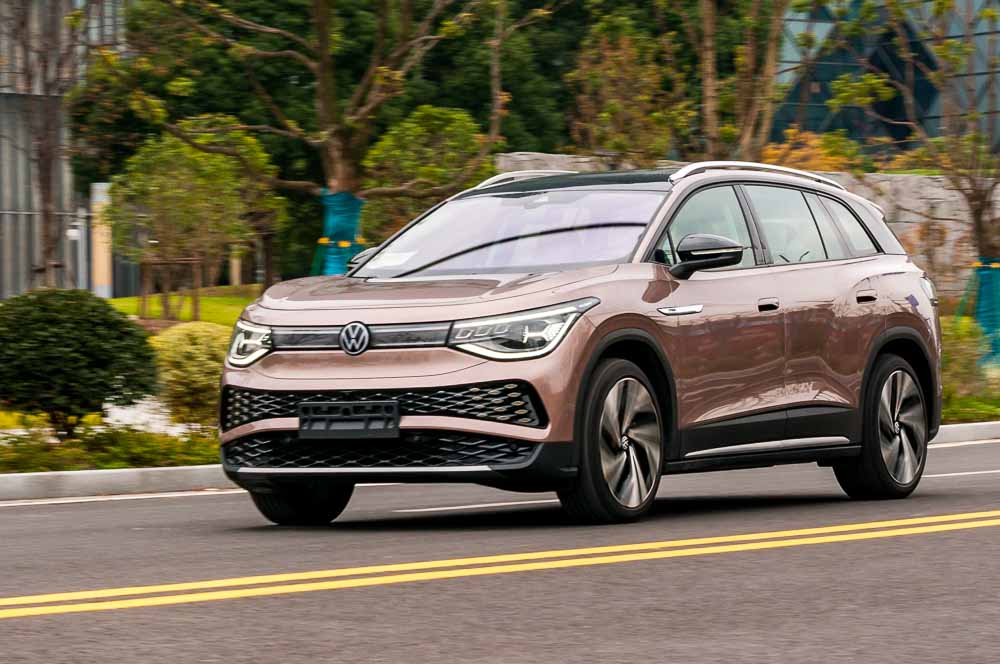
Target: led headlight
[
  {"x": 249, "y": 344},
  {"x": 518, "y": 336}
]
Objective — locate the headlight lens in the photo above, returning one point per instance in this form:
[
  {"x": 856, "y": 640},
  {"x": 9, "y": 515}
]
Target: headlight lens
[
  {"x": 518, "y": 336},
  {"x": 249, "y": 344}
]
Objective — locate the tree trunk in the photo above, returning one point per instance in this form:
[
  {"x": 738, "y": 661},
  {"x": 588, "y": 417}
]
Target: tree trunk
[
  {"x": 709, "y": 79},
  {"x": 45, "y": 130}
]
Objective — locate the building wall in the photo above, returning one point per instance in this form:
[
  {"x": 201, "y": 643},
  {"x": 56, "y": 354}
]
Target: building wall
[
  {"x": 20, "y": 232},
  {"x": 806, "y": 102}
]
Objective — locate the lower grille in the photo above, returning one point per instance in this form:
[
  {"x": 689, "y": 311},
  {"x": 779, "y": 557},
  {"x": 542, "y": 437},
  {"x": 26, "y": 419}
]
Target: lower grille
[
  {"x": 514, "y": 402},
  {"x": 414, "y": 449}
]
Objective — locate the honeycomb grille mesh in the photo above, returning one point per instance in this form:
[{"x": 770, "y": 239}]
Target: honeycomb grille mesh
[
  {"x": 514, "y": 402},
  {"x": 415, "y": 449}
]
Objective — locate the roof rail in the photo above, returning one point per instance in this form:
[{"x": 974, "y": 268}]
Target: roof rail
[
  {"x": 702, "y": 166},
  {"x": 514, "y": 176}
]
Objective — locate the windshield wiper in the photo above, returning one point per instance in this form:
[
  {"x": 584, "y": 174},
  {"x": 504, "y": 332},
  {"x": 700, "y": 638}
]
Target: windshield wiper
[{"x": 515, "y": 238}]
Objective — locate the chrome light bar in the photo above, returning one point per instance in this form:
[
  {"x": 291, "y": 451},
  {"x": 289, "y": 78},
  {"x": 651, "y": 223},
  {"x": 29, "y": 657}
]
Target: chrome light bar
[{"x": 702, "y": 166}]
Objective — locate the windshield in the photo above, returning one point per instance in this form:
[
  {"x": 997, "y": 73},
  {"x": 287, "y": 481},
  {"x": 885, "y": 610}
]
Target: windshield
[{"x": 533, "y": 232}]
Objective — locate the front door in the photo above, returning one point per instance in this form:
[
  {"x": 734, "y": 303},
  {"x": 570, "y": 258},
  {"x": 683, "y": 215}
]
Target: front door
[{"x": 729, "y": 372}]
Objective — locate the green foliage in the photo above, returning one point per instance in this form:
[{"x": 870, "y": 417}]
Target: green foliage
[
  {"x": 962, "y": 348},
  {"x": 66, "y": 353},
  {"x": 630, "y": 95},
  {"x": 190, "y": 357},
  {"x": 433, "y": 145},
  {"x": 175, "y": 201},
  {"x": 104, "y": 449}
]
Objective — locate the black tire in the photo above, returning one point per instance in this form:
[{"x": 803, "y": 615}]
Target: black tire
[
  {"x": 591, "y": 498},
  {"x": 877, "y": 474},
  {"x": 306, "y": 505}
]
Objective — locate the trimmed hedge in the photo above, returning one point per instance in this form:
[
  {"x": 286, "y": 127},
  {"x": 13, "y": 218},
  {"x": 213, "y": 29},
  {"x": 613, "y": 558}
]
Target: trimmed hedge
[
  {"x": 66, "y": 353},
  {"x": 190, "y": 358}
]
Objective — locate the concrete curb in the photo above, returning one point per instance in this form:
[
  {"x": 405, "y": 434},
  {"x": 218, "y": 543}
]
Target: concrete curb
[
  {"x": 955, "y": 433},
  {"x": 76, "y": 483}
]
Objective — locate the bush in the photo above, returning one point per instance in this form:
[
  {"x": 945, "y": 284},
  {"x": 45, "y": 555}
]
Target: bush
[
  {"x": 962, "y": 348},
  {"x": 66, "y": 353},
  {"x": 110, "y": 448},
  {"x": 190, "y": 358}
]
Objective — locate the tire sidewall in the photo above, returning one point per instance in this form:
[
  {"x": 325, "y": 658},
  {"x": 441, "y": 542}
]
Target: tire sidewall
[
  {"x": 607, "y": 373},
  {"x": 885, "y": 367}
]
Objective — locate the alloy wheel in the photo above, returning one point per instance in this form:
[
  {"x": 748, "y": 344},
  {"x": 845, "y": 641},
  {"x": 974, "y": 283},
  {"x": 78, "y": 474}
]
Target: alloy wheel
[
  {"x": 630, "y": 442},
  {"x": 902, "y": 427}
]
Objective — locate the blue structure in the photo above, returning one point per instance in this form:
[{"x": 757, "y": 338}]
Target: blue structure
[{"x": 341, "y": 215}]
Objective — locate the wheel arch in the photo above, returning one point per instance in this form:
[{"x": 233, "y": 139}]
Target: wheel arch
[
  {"x": 640, "y": 347},
  {"x": 907, "y": 343}
]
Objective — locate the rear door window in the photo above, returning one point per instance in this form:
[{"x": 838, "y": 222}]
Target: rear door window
[
  {"x": 787, "y": 225},
  {"x": 857, "y": 237}
]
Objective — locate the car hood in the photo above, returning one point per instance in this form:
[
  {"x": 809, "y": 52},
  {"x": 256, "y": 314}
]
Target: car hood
[{"x": 428, "y": 298}]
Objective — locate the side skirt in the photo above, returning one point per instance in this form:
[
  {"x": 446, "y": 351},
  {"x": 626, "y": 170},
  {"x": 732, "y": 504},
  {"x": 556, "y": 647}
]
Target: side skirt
[{"x": 822, "y": 455}]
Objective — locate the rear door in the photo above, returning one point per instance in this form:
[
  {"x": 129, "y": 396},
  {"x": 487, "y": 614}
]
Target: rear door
[
  {"x": 820, "y": 279},
  {"x": 730, "y": 371}
]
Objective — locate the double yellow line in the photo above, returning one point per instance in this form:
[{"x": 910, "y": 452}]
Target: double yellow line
[{"x": 377, "y": 575}]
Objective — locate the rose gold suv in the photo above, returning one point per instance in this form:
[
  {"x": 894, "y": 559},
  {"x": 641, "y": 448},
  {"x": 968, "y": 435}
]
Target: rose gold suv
[{"x": 587, "y": 333}]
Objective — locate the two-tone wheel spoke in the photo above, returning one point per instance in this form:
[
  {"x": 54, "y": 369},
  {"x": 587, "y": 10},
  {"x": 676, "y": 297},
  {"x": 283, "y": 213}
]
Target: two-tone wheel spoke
[
  {"x": 630, "y": 442},
  {"x": 902, "y": 426}
]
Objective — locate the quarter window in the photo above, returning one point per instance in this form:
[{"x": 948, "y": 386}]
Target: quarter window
[
  {"x": 788, "y": 227},
  {"x": 857, "y": 236},
  {"x": 833, "y": 241},
  {"x": 715, "y": 211}
]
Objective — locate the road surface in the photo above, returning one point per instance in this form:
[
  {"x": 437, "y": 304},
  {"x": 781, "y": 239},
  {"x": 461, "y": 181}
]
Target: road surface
[{"x": 771, "y": 565}]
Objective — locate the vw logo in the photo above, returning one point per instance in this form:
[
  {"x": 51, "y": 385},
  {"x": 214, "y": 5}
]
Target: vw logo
[{"x": 354, "y": 338}]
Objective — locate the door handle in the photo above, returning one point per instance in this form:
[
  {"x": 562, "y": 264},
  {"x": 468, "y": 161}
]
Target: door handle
[
  {"x": 768, "y": 304},
  {"x": 863, "y": 296}
]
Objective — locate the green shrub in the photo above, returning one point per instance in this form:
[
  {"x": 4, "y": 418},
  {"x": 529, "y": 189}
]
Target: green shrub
[
  {"x": 190, "y": 358},
  {"x": 109, "y": 448},
  {"x": 962, "y": 348},
  {"x": 66, "y": 353}
]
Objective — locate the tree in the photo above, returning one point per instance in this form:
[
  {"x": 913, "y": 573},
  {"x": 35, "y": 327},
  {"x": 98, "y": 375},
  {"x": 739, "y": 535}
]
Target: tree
[
  {"x": 67, "y": 353},
  {"x": 738, "y": 110},
  {"x": 431, "y": 144},
  {"x": 630, "y": 94},
  {"x": 339, "y": 124},
  {"x": 935, "y": 55},
  {"x": 48, "y": 49},
  {"x": 176, "y": 202}
]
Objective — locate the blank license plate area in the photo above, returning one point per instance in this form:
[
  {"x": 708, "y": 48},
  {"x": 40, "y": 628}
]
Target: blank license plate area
[{"x": 349, "y": 419}]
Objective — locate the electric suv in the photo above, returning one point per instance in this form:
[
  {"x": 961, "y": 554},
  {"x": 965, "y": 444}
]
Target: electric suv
[{"x": 587, "y": 334}]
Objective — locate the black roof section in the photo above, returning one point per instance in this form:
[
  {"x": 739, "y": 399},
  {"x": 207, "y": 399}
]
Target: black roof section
[{"x": 639, "y": 180}]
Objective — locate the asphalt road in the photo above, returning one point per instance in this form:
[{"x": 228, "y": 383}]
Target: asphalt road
[{"x": 770, "y": 565}]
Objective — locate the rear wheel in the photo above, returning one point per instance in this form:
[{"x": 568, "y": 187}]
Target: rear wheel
[
  {"x": 894, "y": 449},
  {"x": 621, "y": 447},
  {"x": 306, "y": 505}
]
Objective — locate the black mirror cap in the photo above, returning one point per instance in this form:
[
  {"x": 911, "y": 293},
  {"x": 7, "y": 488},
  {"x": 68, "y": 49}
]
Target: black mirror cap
[
  {"x": 701, "y": 251},
  {"x": 360, "y": 258}
]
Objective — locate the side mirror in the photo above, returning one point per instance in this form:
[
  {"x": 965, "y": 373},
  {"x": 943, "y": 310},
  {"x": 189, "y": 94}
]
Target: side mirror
[
  {"x": 361, "y": 257},
  {"x": 700, "y": 251}
]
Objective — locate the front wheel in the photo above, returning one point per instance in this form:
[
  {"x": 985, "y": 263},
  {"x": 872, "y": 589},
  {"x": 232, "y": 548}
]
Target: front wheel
[
  {"x": 894, "y": 450},
  {"x": 306, "y": 505},
  {"x": 621, "y": 447}
]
